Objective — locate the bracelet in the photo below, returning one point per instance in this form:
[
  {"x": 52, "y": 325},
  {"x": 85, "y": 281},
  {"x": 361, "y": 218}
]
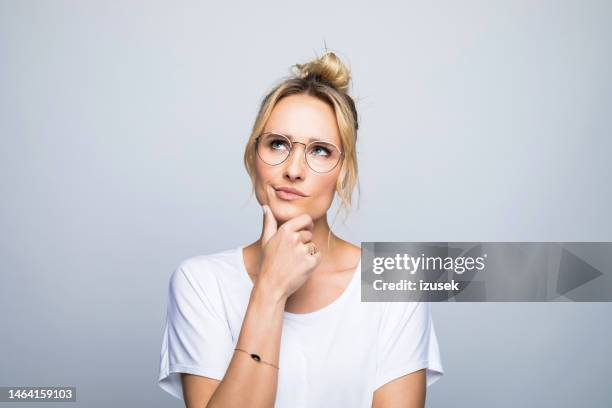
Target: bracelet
[{"x": 257, "y": 358}]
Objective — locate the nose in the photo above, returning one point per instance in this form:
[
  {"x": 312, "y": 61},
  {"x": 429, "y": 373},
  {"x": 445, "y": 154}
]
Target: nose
[{"x": 295, "y": 164}]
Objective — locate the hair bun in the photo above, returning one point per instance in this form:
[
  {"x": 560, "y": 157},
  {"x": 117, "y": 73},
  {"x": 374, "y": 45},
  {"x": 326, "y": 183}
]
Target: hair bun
[{"x": 328, "y": 68}]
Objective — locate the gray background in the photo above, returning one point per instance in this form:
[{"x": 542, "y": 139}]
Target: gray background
[{"x": 122, "y": 130}]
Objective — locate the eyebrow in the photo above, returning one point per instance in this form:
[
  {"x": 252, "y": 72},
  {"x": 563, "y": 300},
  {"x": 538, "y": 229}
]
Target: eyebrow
[{"x": 312, "y": 139}]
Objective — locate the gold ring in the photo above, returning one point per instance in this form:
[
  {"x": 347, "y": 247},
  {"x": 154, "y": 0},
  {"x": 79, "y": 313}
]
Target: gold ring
[{"x": 313, "y": 249}]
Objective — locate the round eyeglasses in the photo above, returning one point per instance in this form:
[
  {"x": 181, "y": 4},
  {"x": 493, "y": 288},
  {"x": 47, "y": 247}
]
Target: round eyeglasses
[{"x": 274, "y": 148}]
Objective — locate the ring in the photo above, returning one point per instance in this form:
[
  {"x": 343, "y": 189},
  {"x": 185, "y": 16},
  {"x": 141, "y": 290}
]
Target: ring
[{"x": 312, "y": 248}]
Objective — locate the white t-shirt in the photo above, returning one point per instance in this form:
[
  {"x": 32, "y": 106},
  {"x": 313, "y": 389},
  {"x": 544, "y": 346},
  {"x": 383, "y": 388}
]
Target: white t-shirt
[{"x": 336, "y": 356}]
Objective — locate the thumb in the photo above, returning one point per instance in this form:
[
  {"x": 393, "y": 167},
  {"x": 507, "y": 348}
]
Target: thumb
[{"x": 269, "y": 225}]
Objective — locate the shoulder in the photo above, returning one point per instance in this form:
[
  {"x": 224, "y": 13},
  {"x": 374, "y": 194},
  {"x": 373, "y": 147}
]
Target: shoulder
[
  {"x": 408, "y": 309},
  {"x": 410, "y": 314},
  {"x": 203, "y": 272},
  {"x": 210, "y": 263}
]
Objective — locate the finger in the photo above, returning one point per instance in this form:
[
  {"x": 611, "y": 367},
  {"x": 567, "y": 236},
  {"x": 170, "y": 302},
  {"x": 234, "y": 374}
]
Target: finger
[
  {"x": 269, "y": 225},
  {"x": 300, "y": 222},
  {"x": 316, "y": 257},
  {"x": 305, "y": 236}
]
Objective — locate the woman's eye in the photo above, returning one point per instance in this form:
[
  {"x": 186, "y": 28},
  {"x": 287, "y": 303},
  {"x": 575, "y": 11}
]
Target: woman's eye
[
  {"x": 278, "y": 144},
  {"x": 320, "y": 151}
]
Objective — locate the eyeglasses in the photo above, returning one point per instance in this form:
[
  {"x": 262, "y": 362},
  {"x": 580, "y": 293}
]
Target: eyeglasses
[{"x": 274, "y": 148}]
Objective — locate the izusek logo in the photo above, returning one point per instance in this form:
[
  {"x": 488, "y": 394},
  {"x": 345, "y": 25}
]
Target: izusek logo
[{"x": 426, "y": 263}]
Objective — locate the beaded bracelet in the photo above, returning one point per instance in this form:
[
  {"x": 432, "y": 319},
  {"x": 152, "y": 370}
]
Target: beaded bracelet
[{"x": 257, "y": 358}]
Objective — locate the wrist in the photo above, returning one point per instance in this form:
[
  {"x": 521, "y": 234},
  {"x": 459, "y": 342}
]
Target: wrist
[{"x": 268, "y": 292}]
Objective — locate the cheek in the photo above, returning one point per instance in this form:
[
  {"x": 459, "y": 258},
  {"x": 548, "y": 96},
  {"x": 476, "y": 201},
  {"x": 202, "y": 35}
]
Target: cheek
[
  {"x": 326, "y": 186},
  {"x": 262, "y": 175},
  {"x": 324, "y": 194}
]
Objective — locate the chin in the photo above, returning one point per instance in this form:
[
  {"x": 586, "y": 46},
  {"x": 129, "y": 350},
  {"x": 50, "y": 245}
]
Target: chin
[{"x": 286, "y": 210}]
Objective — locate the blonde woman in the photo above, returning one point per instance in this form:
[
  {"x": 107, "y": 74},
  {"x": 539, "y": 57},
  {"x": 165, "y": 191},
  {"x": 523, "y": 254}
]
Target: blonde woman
[{"x": 280, "y": 322}]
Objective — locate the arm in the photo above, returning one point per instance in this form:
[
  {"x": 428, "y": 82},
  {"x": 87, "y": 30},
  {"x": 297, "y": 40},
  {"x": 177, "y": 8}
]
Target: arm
[
  {"x": 285, "y": 267},
  {"x": 246, "y": 382},
  {"x": 407, "y": 391}
]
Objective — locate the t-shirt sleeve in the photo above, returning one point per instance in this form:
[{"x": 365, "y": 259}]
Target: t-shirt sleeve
[
  {"x": 197, "y": 339},
  {"x": 407, "y": 343}
]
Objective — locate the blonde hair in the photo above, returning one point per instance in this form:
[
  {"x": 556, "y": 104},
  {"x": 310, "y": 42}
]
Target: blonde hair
[{"x": 327, "y": 79}]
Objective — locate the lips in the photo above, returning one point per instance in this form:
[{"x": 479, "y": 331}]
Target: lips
[
  {"x": 291, "y": 190},
  {"x": 289, "y": 194}
]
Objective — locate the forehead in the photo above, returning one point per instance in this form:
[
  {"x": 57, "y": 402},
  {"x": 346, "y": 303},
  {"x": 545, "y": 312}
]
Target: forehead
[{"x": 304, "y": 118}]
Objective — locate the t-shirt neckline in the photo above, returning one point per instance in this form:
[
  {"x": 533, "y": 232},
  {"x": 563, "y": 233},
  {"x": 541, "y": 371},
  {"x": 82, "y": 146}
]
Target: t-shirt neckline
[{"x": 303, "y": 316}]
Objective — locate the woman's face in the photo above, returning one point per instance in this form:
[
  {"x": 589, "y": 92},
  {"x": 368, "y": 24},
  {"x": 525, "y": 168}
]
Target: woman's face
[{"x": 299, "y": 117}]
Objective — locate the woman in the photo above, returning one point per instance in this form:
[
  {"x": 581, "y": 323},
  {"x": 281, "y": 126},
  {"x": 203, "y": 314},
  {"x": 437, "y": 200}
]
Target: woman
[{"x": 280, "y": 322}]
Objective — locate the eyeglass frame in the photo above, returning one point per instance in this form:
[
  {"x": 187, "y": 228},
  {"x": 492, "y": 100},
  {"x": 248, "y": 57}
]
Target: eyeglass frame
[{"x": 291, "y": 143}]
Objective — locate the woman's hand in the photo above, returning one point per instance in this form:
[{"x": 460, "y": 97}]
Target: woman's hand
[{"x": 286, "y": 262}]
